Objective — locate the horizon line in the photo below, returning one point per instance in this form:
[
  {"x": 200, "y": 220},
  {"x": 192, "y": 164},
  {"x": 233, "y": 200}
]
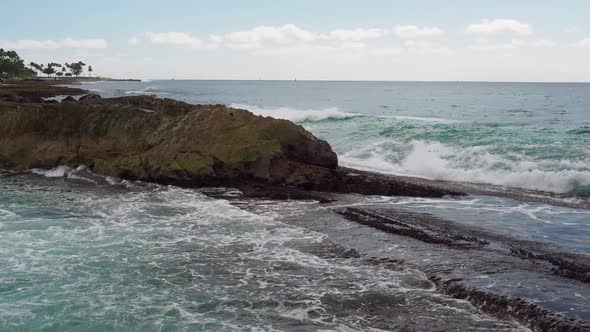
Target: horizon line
[{"x": 383, "y": 81}]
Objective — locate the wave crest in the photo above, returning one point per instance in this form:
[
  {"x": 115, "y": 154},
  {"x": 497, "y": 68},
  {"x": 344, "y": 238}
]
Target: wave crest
[
  {"x": 438, "y": 161},
  {"x": 298, "y": 115},
  {"x": 150, "y": 90}
]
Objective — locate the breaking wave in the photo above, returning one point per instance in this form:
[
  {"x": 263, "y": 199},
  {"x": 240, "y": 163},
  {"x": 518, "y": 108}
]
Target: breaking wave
[
  {"x": 439, "y": 161},
  {"x": 150, "y": 90},
  {"x": 298, "y": 115}
]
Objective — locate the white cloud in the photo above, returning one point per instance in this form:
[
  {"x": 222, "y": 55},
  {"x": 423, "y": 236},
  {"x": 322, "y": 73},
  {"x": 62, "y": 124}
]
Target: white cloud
[
  {"x": 533, "y": 43},
  {"x": 285, "y": 37},
  {"x": 543, "y": 43},
  {"x": 484, "y": 45},
  {"x": 492, "y": 47},
  {"x": 171, "y": 38},
  {"x": 412, "y": 31},
  {"x": 256, "y": 37},
  {"x": 426, "y": 47},
  {"x": 355, "y": 34},
  {"x": 582, "y": 43},
  {"x": 499, "y": 27},
  {"x": 292, "y": 34},
  {"x": 53, "y": 44},
  {"x": 384, "y": 51},
  {"x": 174, "y": 38},
  {"x": 353, "y": 45}
]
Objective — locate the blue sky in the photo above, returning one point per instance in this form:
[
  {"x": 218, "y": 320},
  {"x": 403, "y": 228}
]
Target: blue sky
[{"x": 495, "y": 40}]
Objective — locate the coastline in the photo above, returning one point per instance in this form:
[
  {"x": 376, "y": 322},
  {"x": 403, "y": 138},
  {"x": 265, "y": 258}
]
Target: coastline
[{"x": 345, "y": 183}]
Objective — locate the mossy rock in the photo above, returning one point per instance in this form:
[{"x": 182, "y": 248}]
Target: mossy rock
[{"x": 148, "y": 138}]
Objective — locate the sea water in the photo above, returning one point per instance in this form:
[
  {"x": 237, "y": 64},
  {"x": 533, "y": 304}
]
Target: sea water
[
  {"x": 529, "y": 135},
  {"x": 80, "y": 252}
]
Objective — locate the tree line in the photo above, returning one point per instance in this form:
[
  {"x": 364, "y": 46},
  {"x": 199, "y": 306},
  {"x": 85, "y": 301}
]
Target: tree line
[
  {"x": 73, "y": 69},
  {"x": 12, "y": 66}
]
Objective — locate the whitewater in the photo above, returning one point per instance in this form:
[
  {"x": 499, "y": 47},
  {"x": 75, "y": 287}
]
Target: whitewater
[
  {"x": 83, "y": 252},
  {"x": 527, "y": 135}
]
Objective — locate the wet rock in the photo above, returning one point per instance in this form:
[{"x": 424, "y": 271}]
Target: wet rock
[
  {"x": 68, "y": 99},
  {"x": 34, "y": 91},
  {"x": 467, "y": 254},
  {"x": 171, "y": 142},
  {"x": 10, "y": 98},
  {"x": 176, "y": 143},
  {"x": 421, "y": 227},
  {"x": 508, "y": 307},
  {"x": 90, "y": 97}
]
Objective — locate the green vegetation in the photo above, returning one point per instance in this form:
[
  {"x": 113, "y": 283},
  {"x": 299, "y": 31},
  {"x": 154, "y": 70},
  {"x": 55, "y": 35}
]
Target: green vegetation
[{"x": 12, "y": 66}]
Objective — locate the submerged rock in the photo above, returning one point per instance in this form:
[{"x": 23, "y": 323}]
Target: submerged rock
[{"x": 171, "y": 142}]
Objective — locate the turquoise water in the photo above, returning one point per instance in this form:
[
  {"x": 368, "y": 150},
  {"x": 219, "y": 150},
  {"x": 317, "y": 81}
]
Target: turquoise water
[
  {"x": 79, "y": 252},
  {"x": 529, "y": 135},
  {"x": 110, "y": 256}
]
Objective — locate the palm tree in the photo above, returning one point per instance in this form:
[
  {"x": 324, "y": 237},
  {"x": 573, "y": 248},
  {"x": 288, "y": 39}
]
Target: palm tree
[{"x": 89, "y": 70}]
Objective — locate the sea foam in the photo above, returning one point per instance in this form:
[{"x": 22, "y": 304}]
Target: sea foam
[
  {"x": 438, "y": 161},
  {"x": 298, "y": 115}
]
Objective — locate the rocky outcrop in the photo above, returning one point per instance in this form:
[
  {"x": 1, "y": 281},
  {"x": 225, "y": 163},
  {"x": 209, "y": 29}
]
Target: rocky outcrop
[
  {"x": 34, "y": 91},
  {"x": 171, "y": 142},
  {"x": 154, "y": 139},
  {"x": 90, "y": 96}
]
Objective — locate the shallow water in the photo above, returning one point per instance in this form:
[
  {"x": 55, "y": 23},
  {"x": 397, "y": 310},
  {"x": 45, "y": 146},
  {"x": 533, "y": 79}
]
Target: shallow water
[
  {"x": 81, "y": 252},
  {"x": 80, "y": 256}
]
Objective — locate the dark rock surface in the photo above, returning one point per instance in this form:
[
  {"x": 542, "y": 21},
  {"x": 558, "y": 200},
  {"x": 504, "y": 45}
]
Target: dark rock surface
[
  {"x": 90, "y": 96},
  {"x": 474, "y": 263},
  {"x": 34, "y": 91},
  {"x": 171, "y": 142}
]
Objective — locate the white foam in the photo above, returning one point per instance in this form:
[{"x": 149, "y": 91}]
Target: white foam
[
  {"x": 58, "y": 172},
  {"x": 425, "y": 119},
  {"x": 437, "y": 161},
  {"x": 92, "y": 82},
  {"x": 297, "y": 115},
  {"x": 146, "y": 91}
]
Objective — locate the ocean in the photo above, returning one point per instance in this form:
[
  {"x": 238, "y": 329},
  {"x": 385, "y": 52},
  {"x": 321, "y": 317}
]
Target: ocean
[
  {"x": 529, "y": 135},
  {"x": 80, "y": 252}
]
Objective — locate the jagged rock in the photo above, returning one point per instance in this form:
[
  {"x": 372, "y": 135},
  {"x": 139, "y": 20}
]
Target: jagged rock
[
  {"x": 90, "y": 96},
  {"x": 34, "y": 91},
  {"x": 68, "y": 99},
  {"x": 171, "y": 142},
  {"x": 156, "y": 140},
  {"x": 10, "y": 97}
]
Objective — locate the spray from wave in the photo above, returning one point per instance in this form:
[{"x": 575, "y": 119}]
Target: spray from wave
[
  {"x": 413, "y": 147},
  {"x": 438, "y": 161},
  {"x": 150, "y": 90},
  {"x": 80, "y": 173},
  {"x": 298, "y": 115}
]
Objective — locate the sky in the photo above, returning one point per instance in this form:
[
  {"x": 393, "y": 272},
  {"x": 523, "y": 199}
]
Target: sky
[{"x": 418, "y": 40}]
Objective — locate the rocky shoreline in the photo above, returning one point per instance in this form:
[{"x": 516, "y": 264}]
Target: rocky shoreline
[
  {"x": 36, "y": 96},
  {"x": 174, "y": 143}
]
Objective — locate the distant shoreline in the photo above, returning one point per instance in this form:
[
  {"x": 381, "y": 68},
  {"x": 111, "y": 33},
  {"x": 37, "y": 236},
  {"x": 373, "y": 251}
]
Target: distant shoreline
[{"x": 347, "y": 81}]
